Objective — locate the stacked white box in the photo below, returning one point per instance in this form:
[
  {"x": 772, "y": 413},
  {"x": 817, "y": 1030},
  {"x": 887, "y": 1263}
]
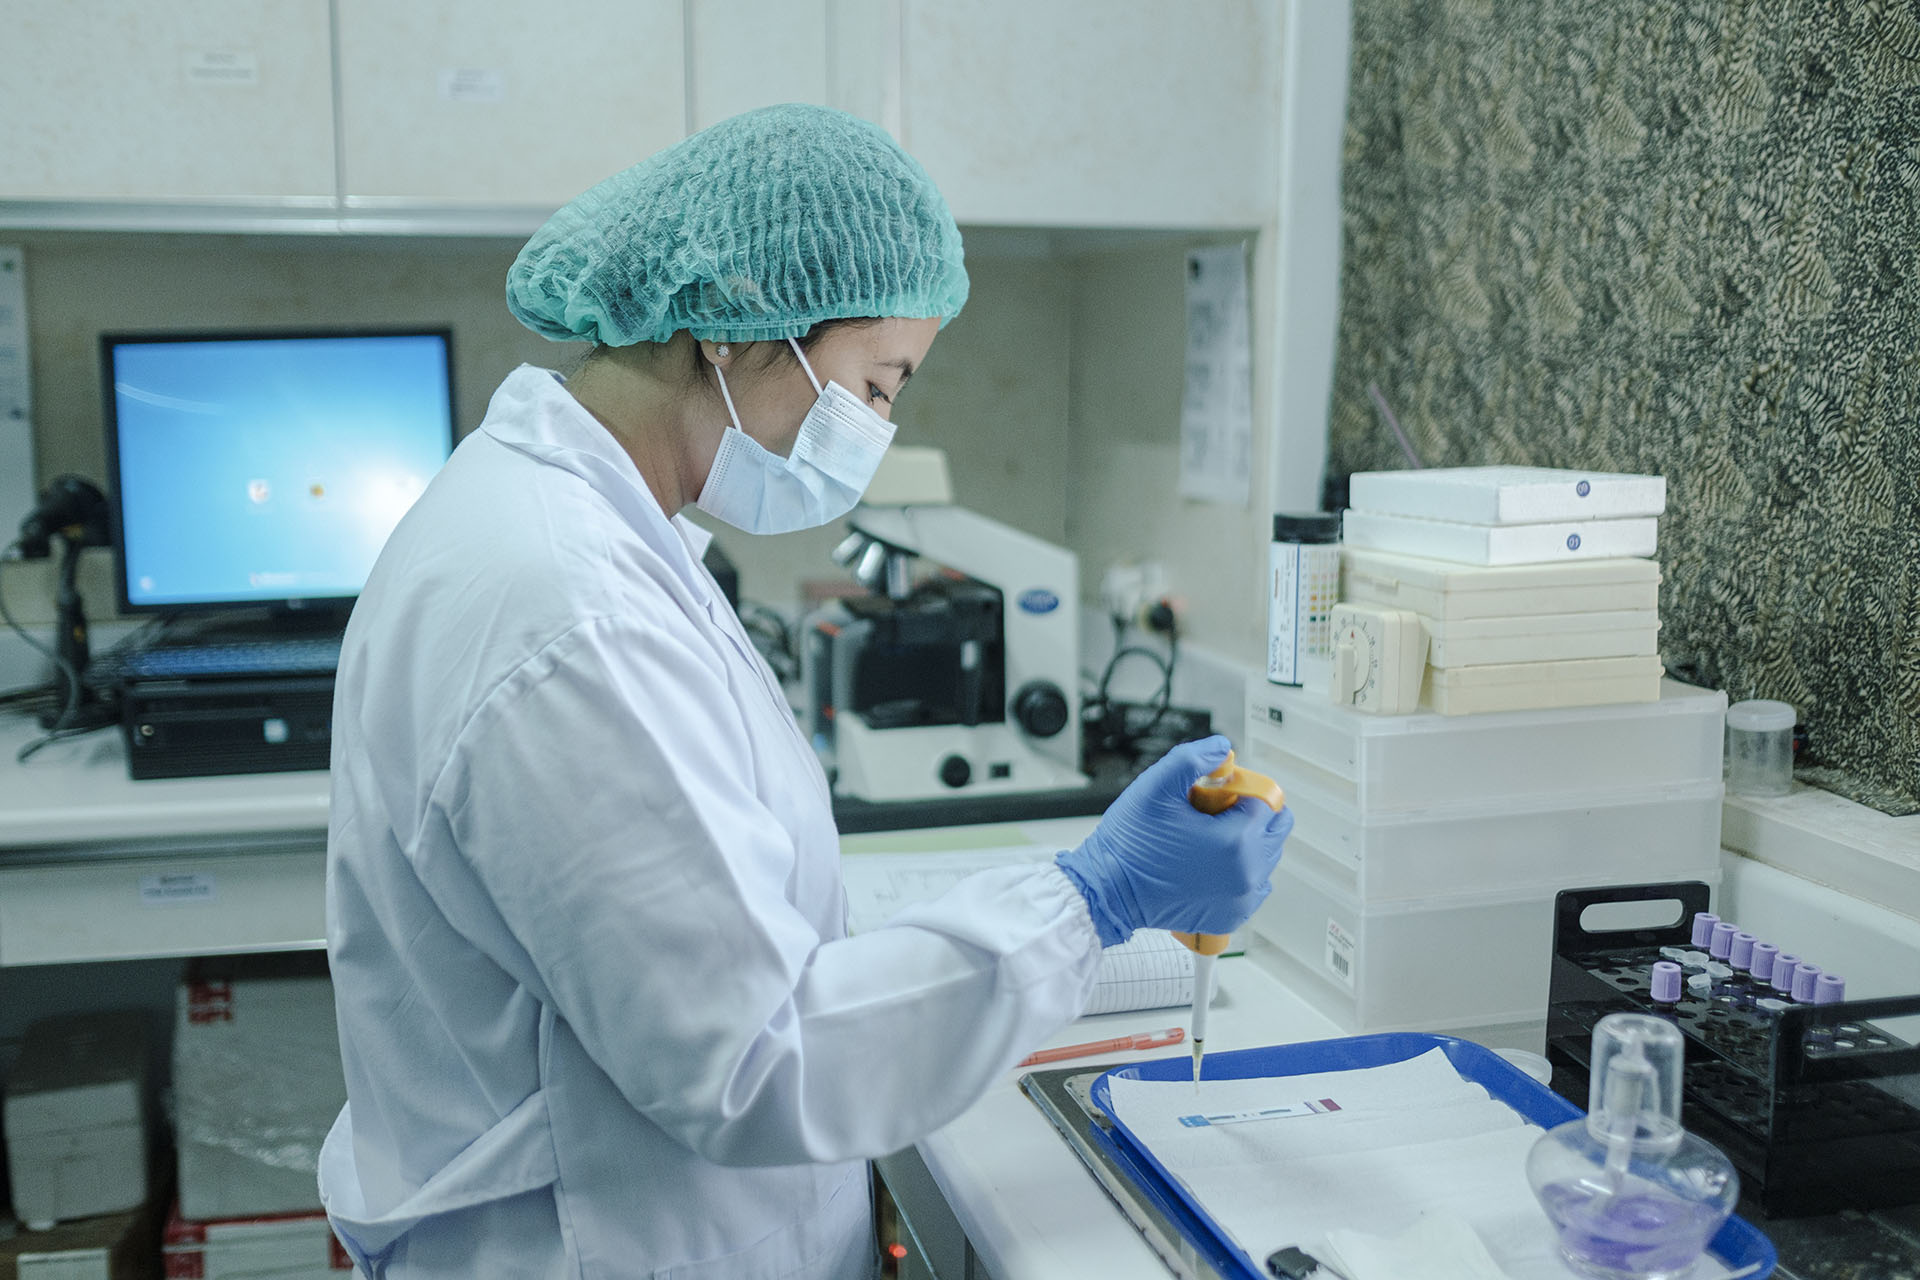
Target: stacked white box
[
  {"x": 1417, "y": 888},
  {"x": 287, "y": 1247},
  {"x": 1534, "y": 587},
  {"x": 257, "y": 1083},
  {"x": 76, "y": 1118}
]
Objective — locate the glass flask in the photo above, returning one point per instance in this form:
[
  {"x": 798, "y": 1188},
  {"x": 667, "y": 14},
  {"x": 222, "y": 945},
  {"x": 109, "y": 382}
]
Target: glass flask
[{"x": 1631, "y": 1194}]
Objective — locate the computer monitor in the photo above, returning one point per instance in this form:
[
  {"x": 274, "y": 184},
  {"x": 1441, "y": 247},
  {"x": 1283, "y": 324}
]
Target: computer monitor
[{"x": 255, "y": 469}]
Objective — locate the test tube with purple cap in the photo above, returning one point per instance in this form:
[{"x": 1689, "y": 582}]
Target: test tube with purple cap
[{"x": 1666, "y": 986}]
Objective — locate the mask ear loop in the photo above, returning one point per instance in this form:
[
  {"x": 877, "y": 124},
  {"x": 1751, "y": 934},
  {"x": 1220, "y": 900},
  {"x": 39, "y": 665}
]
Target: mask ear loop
[
  {"x": 728, "y": 397},
  {"x": 802, "y": 357}
]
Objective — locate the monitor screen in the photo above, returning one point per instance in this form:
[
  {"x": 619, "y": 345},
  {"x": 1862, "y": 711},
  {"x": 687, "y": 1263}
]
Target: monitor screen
[{"x": 267, "y": 468}]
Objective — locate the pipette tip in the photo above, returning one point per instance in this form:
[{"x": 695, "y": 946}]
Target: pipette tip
[{"x": 1199, "y": 1046}]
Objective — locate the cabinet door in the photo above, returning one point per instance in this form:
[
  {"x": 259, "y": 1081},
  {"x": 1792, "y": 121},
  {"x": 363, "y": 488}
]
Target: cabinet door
[
  {"x": 1095, "y": 112},
  {"x": 189, "y": 99},
  {"x": 504, "y": 102},
  {"x": 743, "y": 54}
]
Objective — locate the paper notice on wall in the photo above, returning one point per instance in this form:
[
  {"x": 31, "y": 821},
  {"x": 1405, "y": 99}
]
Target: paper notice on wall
[
  {"x": 473, "y": 84},
  {"x": 221, "y": 68},
  {"x": 16, "y": 398},
  {"x": 1216, "y": 411}
]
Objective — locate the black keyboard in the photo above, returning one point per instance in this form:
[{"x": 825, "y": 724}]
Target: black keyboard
[{"x": 285, "y": 655}]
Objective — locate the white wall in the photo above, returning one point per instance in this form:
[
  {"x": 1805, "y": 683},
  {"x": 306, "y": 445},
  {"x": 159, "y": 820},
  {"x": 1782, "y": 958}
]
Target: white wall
[
  {"x": 1129, "y": 347},
  {"x": 993, "y": 392}
]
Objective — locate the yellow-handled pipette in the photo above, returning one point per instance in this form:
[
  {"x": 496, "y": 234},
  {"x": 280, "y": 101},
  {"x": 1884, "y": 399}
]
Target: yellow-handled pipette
[{"x": 1219, "y": 791}]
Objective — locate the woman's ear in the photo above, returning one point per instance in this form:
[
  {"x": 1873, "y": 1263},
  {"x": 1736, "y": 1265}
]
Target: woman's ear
[{"x": 719, "y": 354}]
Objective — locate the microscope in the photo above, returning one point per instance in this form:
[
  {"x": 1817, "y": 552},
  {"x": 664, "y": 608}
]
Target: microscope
[{"x": 959, "y": 679}]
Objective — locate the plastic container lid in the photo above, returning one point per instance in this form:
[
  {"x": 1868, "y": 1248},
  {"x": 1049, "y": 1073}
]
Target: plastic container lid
[
  {"x": 1740, "y": 954},
  {"x": 1311, "y": 526},
  {"x": 1720, "y": 944},
  {"x": 1805, "y": 979},
  {"x": 1666, "y": 983},
  {"x": 1829, "y": 989},
  {"x": 1760, "y": 716},
  {"x": 1762, "y": 966},
  {"x": 1532, "y": 1063}
]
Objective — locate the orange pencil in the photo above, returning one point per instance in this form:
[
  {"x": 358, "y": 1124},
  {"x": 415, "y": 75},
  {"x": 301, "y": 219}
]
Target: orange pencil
[{"x": 1144, "y": 1040}]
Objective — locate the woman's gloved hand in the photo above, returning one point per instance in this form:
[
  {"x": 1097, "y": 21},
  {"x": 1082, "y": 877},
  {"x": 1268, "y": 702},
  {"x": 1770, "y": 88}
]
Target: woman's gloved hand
[{"x": 1156, "y": 862}]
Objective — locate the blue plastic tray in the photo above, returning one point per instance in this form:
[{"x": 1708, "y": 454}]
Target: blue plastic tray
[{"x": 1738, "y": 1244}]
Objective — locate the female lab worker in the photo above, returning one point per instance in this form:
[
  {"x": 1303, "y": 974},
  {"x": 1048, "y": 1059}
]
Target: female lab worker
[{"x": 598, "y": 1010}]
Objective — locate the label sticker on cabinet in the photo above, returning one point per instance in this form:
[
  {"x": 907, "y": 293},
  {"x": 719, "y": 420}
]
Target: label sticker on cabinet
[
  {"x": 235, "y": 67},
  {"x": 170, "y": 890},
  {"x": 1341, "y": 950},
  {"x": 473, "y": 84}
]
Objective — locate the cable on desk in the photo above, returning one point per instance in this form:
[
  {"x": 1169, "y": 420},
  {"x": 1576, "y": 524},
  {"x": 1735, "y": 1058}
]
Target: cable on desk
[{"x": 65, "y": 668}]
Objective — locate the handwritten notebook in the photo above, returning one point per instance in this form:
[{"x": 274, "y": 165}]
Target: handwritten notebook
[{"x": 1150, "y": 971}]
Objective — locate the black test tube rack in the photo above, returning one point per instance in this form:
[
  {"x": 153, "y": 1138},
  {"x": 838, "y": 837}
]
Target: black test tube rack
[{"x": 1817, "y": 1106}]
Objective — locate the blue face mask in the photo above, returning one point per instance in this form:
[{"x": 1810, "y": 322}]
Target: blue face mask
[{"x": 839, "y": 448}]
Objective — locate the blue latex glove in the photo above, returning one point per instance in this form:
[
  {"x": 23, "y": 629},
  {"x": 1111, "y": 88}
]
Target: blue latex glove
[{"x": 1156, "y": 862}]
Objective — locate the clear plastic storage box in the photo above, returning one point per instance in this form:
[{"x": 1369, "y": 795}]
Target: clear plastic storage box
[
  {"x": 1420, "y": 964},
  {"x": 1655, "y": 833},
  {"x": 1386, "y": 764}
]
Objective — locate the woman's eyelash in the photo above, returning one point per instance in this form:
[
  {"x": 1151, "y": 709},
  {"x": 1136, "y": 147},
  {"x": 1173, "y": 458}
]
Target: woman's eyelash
[{"x": 876, "y": 393}]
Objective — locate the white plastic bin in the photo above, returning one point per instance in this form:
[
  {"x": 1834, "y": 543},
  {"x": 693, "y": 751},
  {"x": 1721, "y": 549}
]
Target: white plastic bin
[
  {"x": 1658, "y": 833},
  {"x": 1383, "y": 764},
  {"x": 1425, "y": 964}
]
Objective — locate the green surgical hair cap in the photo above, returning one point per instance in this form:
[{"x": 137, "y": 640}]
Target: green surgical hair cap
[{"x": 758, "y": 227}]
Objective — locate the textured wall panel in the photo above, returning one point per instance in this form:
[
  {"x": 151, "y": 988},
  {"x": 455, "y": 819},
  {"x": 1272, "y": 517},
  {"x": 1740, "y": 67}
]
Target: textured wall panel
[{"x": 1677, "y": 236}]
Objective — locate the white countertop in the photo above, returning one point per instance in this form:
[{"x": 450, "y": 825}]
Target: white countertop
[
  {"x": 77, "y": 790},
  {"x": 1030, "y": 1207}
]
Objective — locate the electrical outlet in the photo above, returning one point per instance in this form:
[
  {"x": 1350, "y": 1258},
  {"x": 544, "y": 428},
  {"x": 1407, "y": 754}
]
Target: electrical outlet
[{"x": 1127, "y": 589}]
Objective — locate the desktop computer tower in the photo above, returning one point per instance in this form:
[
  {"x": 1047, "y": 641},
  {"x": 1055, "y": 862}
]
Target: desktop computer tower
[{"x": 196, "y": 727}]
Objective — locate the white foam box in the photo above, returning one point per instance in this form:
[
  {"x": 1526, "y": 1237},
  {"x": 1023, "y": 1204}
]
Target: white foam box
[
  {"x": 114, "y": 1246},
  {"x": 1640, "y": 835},
  {"x": 293, "y": 1247},
  {"x": 1508, "y": 495},
  {"x": 1547, "y": 637},
  {"x": 76, "y": 1121},
  {"x": 1446, "y": 592},
  {"x": 1524, "y": 686},
  {"x": 1497, "y": 544},
  {"x": 1424, "y": 761},
  {"x": 1425, "y": 964},
  {"x": 257, "y": 1083}
]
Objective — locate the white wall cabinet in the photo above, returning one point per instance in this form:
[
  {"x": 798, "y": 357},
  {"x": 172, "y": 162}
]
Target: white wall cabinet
[
  {"x": 214, "y": 100},
  {"x": 1095, "y": 114},
  {"x": 1069, "y": 113},
  {"x": 449, "y": 102}
]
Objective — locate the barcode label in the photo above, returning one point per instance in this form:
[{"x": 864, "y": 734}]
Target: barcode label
[{"x": 1342, "y": 950}]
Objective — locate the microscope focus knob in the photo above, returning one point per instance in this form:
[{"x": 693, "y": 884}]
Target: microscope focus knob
[
  {"x": 1041, "y": 708},
  {"x": 956, "y": 772}
]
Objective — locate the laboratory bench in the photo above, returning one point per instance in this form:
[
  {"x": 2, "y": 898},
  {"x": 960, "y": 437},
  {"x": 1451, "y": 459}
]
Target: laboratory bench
[{"x": 97, "y": 867}]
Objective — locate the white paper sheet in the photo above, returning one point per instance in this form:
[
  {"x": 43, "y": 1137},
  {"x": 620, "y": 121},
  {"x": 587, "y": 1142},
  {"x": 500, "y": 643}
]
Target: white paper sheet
[
  {"x": 1216, "y": 409},
  {"x": 1150, "y": 971},
  {"x": 16, "y": 398},
  {"x": 1408, "y": 1139}
]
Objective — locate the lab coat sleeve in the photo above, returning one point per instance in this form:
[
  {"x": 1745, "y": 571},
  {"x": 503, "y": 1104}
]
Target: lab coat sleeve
[{"x": 602, "y": 841}]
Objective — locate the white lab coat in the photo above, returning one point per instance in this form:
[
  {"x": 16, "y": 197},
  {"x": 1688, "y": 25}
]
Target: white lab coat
[{"x": 597, "y": 1009}]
